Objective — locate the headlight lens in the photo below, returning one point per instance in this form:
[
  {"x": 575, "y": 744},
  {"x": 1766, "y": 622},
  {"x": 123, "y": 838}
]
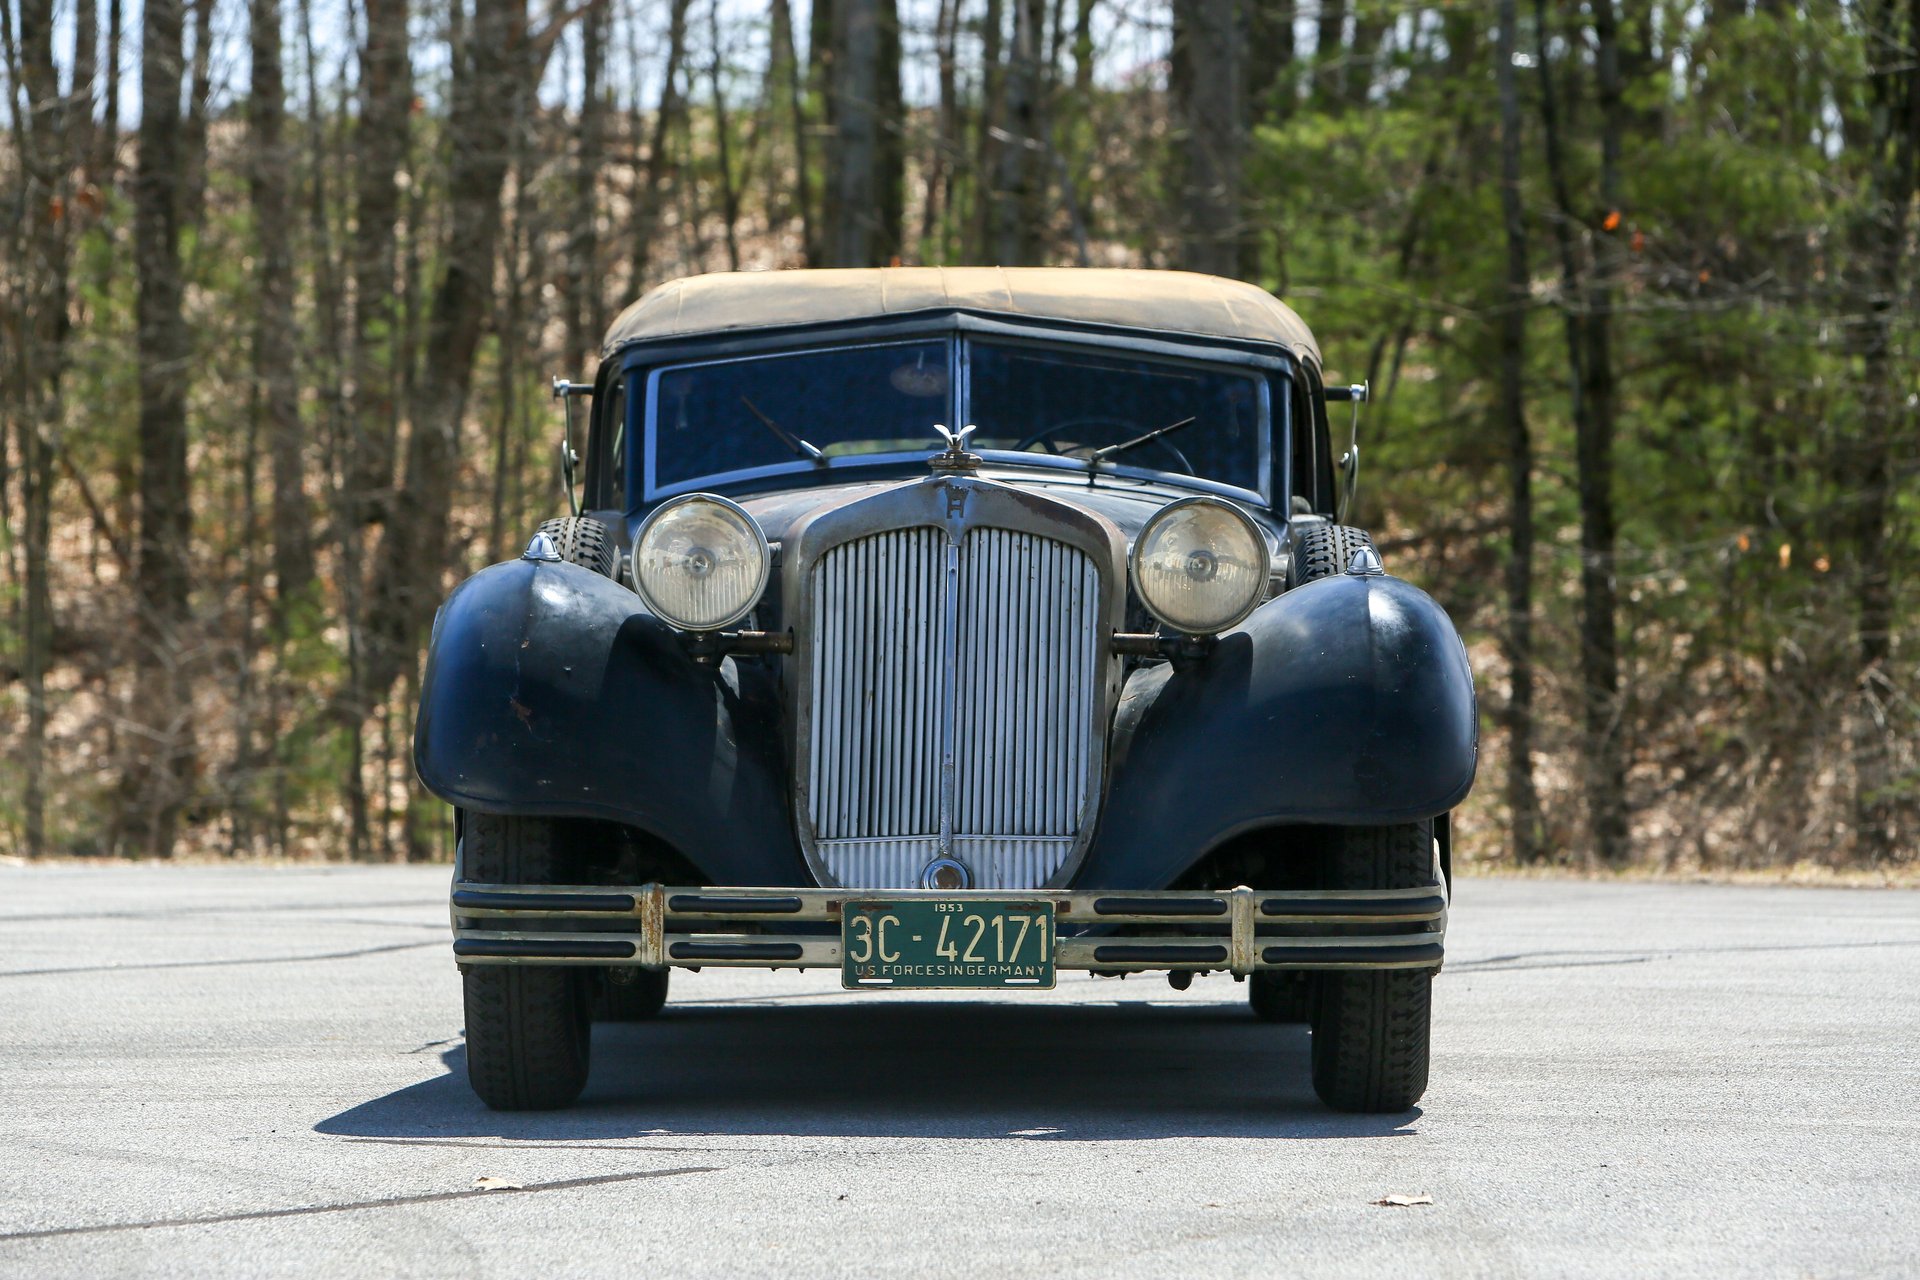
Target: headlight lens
[
  {"x": 1200, "y": 565},
  {"x": 700, "y": 562}
]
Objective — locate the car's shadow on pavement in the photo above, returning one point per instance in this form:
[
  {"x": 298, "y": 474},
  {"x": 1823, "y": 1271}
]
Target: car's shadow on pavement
[{"x": 953, "y": 1070}]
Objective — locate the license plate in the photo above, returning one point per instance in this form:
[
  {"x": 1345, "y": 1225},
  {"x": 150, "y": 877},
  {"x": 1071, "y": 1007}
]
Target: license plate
[{"x": 946, "y": 943}]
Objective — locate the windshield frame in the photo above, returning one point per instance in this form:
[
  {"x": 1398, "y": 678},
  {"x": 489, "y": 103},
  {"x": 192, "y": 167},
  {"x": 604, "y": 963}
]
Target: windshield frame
[{"x": 1260, "y": 366}]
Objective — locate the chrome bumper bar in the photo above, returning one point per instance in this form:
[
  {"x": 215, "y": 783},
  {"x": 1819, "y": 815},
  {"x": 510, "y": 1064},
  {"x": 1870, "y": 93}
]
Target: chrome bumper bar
[{"x": 1240, "y": 930}]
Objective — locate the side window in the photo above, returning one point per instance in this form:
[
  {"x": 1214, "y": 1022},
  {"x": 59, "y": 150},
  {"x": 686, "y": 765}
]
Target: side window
[
  {"x": 613, "y": 429},
  {"x": 1309, "y": 461}
]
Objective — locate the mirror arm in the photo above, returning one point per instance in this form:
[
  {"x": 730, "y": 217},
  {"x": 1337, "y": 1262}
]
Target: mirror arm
[
  {"x": 564, "y": 391},
  {"x": 1355, "y": 394}
]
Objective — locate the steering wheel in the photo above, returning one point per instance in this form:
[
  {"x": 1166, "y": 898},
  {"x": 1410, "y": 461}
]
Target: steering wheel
[{"x": 1127, "y": 430}]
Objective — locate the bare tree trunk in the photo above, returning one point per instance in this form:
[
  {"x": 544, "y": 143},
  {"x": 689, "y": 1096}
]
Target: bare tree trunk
[
  {"x": 1269, "y": 58},
  {"x": 586, "y": 309},
  {"x": 648, "y": 200},
  {"x": 193, "y": 181},
  {"x": 1370, "y": 28},
  {"x": 986, "y": 143},
  {"x": 1587, "y": 307},
  {"x": 864, "y": 152},
  {"x": 786, "y": 68},
  {"x": 1602, "y": 707},
  {"x": 39, "y": 359},
  {"x": 723, "y": 144},
  {"x": 1523, "y": 799},
  {"x": 1017, "y": 184},
  {"x": 1886, "y": 427},
  {"x": 328, "y": 369},
  {"x": 158, "y": 777},
  {"x": 495, "y": 69},
  {"x": 78, "y": 129},
  {"x": 386, "y": 102},
  {"x": 107, "y": 161},
  {"x": 275, "y": 372},
  {"x": 944, "y": 149},
  {"x": 509, "y": 329},
  {"x": 1330, "y": 55},
  {"x": 891, "y": 180},
  {"x": 1206, "y": 66}
]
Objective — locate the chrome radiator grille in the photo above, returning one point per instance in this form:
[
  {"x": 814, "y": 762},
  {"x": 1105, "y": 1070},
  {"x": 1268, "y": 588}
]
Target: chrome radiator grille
[{"x": 955, "y": 696}]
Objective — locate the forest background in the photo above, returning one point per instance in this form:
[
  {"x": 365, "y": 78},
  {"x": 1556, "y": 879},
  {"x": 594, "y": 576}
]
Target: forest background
[{"x": 283, "y": 282}]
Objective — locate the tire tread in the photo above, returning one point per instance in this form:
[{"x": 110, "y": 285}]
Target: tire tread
[
  {"x": 1372, "y": 1042},
  {"x": 584, "y": 541},
  {"x": 528, "y": 1036},
  {"x": 1323, "y": 550}
]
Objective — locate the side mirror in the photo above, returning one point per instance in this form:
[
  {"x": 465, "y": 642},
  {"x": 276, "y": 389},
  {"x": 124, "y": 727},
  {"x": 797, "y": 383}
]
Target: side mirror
[
  {"x": 1355, "y": 394},
  {"x": 564, "y": 392}
]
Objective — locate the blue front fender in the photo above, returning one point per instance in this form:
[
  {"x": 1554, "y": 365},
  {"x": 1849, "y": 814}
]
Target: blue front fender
[
  {"x": 550, "y": 691},
  {"x": 1346, "y": 701}
]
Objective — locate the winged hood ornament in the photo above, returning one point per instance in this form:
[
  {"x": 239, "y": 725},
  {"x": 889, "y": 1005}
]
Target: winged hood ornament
[{"x": 955, "y": 457}]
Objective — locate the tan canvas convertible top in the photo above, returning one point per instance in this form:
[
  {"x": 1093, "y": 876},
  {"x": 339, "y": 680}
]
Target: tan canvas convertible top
[{"x": 1165, "y": 301}]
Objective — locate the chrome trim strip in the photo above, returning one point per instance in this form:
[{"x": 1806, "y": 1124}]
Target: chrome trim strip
[{"x": 950, "y": 667}]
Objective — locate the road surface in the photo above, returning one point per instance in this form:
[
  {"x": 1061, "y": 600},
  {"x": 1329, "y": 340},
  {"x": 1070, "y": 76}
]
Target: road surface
[{"x": 257, "y": 1071}]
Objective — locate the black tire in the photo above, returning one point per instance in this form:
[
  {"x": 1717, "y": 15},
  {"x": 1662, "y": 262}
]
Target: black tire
[
  {"x": 637, "y": 999},
  {"x": 528, "y": 1026},
  {"x": 584, "y": 541},
  {"x": 1322, "y": 550},
  {"x": 1279, "y": 995},
  {"x": 1372, "y": 1029}
]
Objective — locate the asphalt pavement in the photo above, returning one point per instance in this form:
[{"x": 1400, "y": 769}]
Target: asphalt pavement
[{"x": 258, "y": 1071}]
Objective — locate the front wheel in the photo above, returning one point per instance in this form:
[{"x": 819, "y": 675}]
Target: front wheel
[
  {"x": 1372, "y": 1028},
  {"x": 529, "y": 1027}
]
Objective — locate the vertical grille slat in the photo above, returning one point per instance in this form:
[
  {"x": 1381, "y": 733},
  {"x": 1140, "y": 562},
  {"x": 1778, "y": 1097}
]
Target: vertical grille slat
[{"x": 1023, "y": 693}]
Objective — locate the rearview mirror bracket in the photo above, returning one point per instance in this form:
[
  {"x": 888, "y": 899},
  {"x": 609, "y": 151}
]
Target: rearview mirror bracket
[
  {"x": 1355, "y": 394},
  {"x": 564, "y": 391}
]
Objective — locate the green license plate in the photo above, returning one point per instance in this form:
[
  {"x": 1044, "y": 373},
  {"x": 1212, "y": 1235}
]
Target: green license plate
[{"x": 957, "y": 942}]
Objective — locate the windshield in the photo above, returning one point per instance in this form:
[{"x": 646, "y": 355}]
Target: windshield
[
  {"x": 1076, "y": 403},
  {"x": 1041, "y": 404}
]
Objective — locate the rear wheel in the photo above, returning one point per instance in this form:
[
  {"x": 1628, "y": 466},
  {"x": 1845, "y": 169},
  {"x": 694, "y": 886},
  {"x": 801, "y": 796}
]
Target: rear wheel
[
  {"x": 1372, "y": 1028},
  {"x": 1279, "y": 995},
  {"x": 631, "y": 995},
  {"x": 528, "y": 1026}
]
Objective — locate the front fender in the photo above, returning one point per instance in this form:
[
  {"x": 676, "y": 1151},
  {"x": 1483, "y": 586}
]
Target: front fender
[
  {"x": 1346, "y": 701},
  {"x": 550, "y": 691}
]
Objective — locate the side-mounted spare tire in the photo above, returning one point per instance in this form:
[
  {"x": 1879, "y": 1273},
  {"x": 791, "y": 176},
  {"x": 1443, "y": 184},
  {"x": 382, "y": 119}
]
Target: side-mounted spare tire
[
  {"x": 529, "y": 1027},
  {"x": 1321, "y": 550},
  {"x": 584, "y": 541}
]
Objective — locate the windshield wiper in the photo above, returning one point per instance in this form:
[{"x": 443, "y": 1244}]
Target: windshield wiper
[
  {"x": 1099, "y": 456},
  {"x": 786, "y": 437}
]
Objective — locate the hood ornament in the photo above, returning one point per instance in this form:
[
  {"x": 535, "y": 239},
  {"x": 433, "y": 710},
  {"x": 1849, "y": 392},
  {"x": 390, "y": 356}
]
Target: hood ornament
[{"x": 955, "y": 457}]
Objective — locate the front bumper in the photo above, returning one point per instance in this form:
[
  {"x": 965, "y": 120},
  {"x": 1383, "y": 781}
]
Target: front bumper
[{"x": 1239, "y": 930}]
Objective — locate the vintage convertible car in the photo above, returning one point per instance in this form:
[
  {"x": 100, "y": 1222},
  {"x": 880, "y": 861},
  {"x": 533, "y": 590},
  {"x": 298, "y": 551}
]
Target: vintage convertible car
[{"x": 951, "y": 628}]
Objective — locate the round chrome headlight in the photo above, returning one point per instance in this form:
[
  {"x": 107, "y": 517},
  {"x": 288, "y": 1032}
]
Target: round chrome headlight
[
  {"x": 700, "y": 562},
  {"x": 1200, "y": 565}
]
